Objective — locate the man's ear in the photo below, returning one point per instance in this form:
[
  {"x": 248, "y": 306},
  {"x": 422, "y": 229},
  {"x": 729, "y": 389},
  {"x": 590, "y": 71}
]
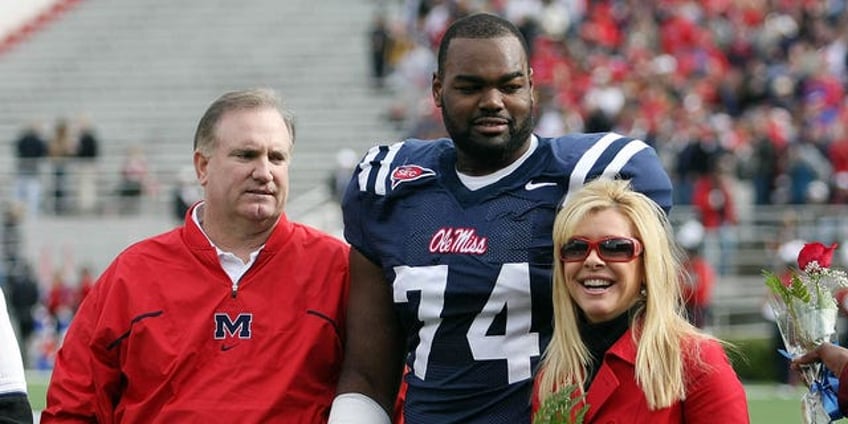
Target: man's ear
[
  {"x": 200, "y": 164},
  {"x": 437, "y": 90}
]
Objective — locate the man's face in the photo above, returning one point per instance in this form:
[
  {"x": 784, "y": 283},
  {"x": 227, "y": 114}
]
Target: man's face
[
  {"x": 486, "y": 97},
  {"x": 246, "y": 175}
]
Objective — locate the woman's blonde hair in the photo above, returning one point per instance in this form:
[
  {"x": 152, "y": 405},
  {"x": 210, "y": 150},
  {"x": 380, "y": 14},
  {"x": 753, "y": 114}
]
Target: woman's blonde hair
[{"x": 659, "y": 324}]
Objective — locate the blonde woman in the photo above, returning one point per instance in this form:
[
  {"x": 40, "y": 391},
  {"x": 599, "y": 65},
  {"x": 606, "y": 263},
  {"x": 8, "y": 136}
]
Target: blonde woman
[{"x": 620, "y": 333}]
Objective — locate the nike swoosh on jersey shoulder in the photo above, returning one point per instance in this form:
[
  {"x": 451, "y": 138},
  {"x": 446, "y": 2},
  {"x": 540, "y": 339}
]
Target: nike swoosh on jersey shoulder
[{"x": 533, "y": 185}]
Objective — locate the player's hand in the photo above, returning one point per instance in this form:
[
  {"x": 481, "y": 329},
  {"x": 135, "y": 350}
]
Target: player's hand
[{"x": 833, "y": 357}]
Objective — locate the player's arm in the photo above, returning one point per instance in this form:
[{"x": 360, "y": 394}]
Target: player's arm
[{"x": 373, "y": 350}]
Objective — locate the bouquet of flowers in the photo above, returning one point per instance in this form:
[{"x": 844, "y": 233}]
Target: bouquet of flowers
[
  {"x": 562, "y": 407},
  {"x": 805, "y": 311}
]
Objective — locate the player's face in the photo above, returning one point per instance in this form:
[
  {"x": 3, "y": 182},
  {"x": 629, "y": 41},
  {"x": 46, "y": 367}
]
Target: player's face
[
  {"x": 246, "y": 175},
  {"x": 603, "y": 289},
  {"x": 486, "y": 97}
]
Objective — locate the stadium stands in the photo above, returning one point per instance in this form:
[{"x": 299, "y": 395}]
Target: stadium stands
[{"x": 143, "y": 72}]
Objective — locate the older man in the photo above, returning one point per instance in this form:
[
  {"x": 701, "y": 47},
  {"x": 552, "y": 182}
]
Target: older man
[{"x": 237, "y": 316}]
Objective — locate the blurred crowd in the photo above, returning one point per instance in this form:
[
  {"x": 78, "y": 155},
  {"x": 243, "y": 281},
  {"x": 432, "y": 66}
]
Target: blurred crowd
[
  {"x": 58, "y": 172},
  {"x": 69, "y": 155},
  {"x": 750, "y": 92},
  {"x": 42, "y": 297},
  {"x": 744, "y": 100}
]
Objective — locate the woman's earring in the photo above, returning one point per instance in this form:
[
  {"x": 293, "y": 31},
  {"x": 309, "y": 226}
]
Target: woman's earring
[{"x": 643, "y": 292}]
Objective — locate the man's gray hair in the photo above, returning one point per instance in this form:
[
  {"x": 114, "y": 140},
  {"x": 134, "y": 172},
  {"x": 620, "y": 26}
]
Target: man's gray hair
[{"x": 204, "y": 137}]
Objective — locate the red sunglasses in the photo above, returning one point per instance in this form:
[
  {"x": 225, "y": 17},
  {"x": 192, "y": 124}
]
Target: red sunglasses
[{"x": 610, "y": 249}]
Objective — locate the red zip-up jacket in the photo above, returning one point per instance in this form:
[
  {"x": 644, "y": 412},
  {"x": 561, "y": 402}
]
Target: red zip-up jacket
[
  {"x": 162, "y": 338},
  {"x": 714, "y": 393}
]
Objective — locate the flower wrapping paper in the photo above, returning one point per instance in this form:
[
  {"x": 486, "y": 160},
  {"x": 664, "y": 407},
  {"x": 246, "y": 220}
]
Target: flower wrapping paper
[{"x": 806, "y": 312}]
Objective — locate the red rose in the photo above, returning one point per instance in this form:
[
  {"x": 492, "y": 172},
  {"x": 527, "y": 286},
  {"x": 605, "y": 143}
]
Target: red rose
[{"x": 816, "y": 252}]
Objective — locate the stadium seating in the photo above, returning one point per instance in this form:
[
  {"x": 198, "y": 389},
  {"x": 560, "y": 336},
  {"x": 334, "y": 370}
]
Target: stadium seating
[{"x": 144, "y": 72}]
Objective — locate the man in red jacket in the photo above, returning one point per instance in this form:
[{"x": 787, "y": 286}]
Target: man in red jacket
[{"x": 236, "y": 316}]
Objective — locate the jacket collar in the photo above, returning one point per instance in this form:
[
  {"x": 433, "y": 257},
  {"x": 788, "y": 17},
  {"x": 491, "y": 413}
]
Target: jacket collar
[
  {"x": 197, "y": 241},
  {"x": 606, "y": 382}
]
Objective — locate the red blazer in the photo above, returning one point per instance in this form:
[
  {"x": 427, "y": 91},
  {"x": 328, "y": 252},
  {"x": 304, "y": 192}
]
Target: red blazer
[{"x": 714, "y": 394}]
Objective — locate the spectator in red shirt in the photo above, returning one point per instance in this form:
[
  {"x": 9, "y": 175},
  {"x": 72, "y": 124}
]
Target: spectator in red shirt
[
  {"x": 698, "y": 278},
  {"x": 713, "y": 200},
  {"x": 86, "y": 282},
  {"x": 60, "y": 300}
]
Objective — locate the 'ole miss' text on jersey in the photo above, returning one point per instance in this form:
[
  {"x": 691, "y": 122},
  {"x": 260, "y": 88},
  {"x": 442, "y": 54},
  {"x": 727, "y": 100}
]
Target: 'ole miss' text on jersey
[{"x": 471, "y": 270}]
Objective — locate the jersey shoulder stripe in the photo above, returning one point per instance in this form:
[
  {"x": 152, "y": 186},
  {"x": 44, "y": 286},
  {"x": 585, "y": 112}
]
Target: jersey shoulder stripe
[
  {"x": 590, "y": 159},
  {"x": 373, "y": 173},
  {"x": 612, "y": 155}
]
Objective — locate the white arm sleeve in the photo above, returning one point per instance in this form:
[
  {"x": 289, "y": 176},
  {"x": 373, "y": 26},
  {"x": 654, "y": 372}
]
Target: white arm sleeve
[
  {"x": 12, "y": 377},
  {"x": 356, "y": 408}
]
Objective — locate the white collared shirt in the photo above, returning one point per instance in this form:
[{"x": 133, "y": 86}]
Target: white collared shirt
[{"x": 232, "y": 264}]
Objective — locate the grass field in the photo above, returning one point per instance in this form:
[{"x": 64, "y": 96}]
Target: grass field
[
  {"x": 768, "y": 404},
  {"x": 774, "y": 404}
]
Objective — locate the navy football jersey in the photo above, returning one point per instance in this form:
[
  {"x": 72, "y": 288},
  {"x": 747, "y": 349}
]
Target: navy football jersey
[{"x": 471, "y": 270}]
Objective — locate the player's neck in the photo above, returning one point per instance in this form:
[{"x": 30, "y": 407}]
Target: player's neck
[{"x": 468, "y": 171}]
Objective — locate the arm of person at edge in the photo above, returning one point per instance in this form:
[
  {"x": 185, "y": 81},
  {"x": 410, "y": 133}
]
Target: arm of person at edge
[
  {"x": 374, "y": 348},
  {"x": 14, "y": 401},
  {"x": 834, "y": 358},
  {"x": 15, "y": 409}
]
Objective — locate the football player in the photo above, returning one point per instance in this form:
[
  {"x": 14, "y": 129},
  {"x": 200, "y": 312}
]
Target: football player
[{"x": 451, "y": 241}]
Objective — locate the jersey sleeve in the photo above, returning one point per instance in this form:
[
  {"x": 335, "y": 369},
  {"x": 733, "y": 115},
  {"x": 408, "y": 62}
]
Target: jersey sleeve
[
  {"x": 612, "y": 155},
  {"x": 647, "y": 175},
  {"x": 356, "y": 202},
  {"x": 366, "y": 194}
]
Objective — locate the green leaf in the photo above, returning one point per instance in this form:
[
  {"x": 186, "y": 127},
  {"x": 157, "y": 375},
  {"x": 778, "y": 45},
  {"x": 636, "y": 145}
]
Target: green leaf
[
  {"x": 799, "y": 290},
  {"x": 560, "y": 406},
  {"x": 776, "y": 286}
]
